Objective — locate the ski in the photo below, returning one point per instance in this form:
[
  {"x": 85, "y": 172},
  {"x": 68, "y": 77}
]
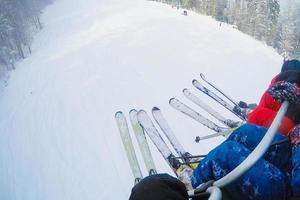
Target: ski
[
  {"x": 127, "y": 143},
  {"x": 241, "y": 104},
  {"x": 235, "y": 110},
  {"x": 164, "y": 126},
  {"x": 183, "y": 172},
  {"x": 228, "y": 122},
  {"x": 175, "y": 103},
  {"x": 219, "y": 90},
  {"x": 142, "y": 141},
  {"x": 156, "y": 138},
  {"x": 159, "y": 118}
]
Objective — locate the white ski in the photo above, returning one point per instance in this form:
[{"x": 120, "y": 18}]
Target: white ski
[
  {"x": 183, "y": 172},
  {"x": 175, "y": 103},
  {"x": 161, "y": 121},
  {"x": 228, "y": 122},
  {"x": 235, "y": 110},
  {"x": 127, "y": 142},
  {"x": 154, "y": 135},
  {"x": 159, "y": 118},
  {"x": 142, "y": 141},
  {"x": 219, "y": 90}
]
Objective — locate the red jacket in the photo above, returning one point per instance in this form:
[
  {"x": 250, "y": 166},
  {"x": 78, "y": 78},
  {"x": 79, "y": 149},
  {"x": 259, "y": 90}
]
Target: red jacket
[
  {"x": 265, "y": 112},
  {"x": 264, "y": 117}
]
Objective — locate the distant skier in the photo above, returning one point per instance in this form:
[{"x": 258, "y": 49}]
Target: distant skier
[{"x": 185, "y": 13}]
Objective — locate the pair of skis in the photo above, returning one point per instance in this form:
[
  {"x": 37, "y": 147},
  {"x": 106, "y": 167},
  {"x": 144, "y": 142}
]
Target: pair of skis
[
  {"x": 182, "y": 165},
  {"x": 240, "y": 109},
  {"x": 128, "y": 145},
  {"x": 229, "y": 124},
  {"x": 220, "y": 131}
]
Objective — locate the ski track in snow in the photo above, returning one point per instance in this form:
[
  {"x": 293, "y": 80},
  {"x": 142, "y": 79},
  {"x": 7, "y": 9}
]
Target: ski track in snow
[{"x": 58, "y": 136}]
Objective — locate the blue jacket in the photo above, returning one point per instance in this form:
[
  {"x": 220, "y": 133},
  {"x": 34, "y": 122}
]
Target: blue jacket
[
  {"x": 295, "y": 172},
  {"x": 267, "y": 179}
]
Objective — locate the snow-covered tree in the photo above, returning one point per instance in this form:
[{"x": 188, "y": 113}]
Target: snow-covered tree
[
  {"x": 220, "y": 10},
  {"x": 18, "y": 20},
  {"x": 290, "y": 32}
]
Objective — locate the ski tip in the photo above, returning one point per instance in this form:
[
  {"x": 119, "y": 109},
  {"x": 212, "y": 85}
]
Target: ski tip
[
  {"x": 141, "y": 112},
  {"x": 202, "y": 76},
  {"x": 194, "y": 81},
  {"x": 133, "y": 111},
  {"x": 133, "y": 115},
  {"x": 155, "y": 109},
  {"x": 171, "y": 100},
  {"x": 185, "y": 90},
  {"x": 118, "y": 114}
]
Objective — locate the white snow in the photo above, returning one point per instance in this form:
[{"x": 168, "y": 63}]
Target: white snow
[{"x": 58, "y": 136}]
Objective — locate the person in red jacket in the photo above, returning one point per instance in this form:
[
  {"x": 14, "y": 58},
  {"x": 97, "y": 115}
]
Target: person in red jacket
[{"x": 267, "y": 108}]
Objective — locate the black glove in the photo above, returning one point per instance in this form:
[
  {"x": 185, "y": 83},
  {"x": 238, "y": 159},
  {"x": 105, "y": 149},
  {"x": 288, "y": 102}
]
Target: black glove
[{"x": 159, "y": 187}]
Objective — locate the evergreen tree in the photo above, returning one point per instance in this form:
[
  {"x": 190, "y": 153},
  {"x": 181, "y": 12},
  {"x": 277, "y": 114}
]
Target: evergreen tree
[
  {"x": 296, "y": 19},
  {"x": 220, "y": 10},
  {"x": 18, "y": 20},
  {"x": 290, "y": 30},
  {"x": 273, "y": 16},
  {"x": 265, "y": 20}
]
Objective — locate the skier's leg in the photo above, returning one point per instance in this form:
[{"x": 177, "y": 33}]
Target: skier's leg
[
  {"x": 250, "y": 135},
  {"x": 295, "y": 179},
  {"x": 159, "y": 187},
  {"x": 262, "y": 181}
]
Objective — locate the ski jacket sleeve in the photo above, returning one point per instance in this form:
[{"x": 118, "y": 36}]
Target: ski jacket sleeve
[
  {"x": 267, "y": 101},
  {"x": 267, "y": 108},
  {"x": 290, "y": 76}
]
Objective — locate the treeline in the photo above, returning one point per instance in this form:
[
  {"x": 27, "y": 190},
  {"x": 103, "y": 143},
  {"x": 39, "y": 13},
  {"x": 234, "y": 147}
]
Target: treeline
[
  {"x": 265, "y": 20},
  {"x": 19, "y": 20}
]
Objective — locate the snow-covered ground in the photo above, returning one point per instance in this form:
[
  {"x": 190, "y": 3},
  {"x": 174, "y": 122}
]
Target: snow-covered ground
[{"x": 58, "y": 136}]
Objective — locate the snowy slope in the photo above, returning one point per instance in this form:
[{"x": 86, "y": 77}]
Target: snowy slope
[{"x": 58, "y": 137}]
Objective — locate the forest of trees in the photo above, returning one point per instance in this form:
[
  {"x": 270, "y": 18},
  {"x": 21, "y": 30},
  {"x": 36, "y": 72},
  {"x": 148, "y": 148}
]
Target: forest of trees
[
  {"x": 19, "y": 20},
  {"x": 266, "y": 20}
]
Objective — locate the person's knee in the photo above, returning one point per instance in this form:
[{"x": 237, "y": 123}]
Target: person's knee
[{"x": 219, "y": 162}]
